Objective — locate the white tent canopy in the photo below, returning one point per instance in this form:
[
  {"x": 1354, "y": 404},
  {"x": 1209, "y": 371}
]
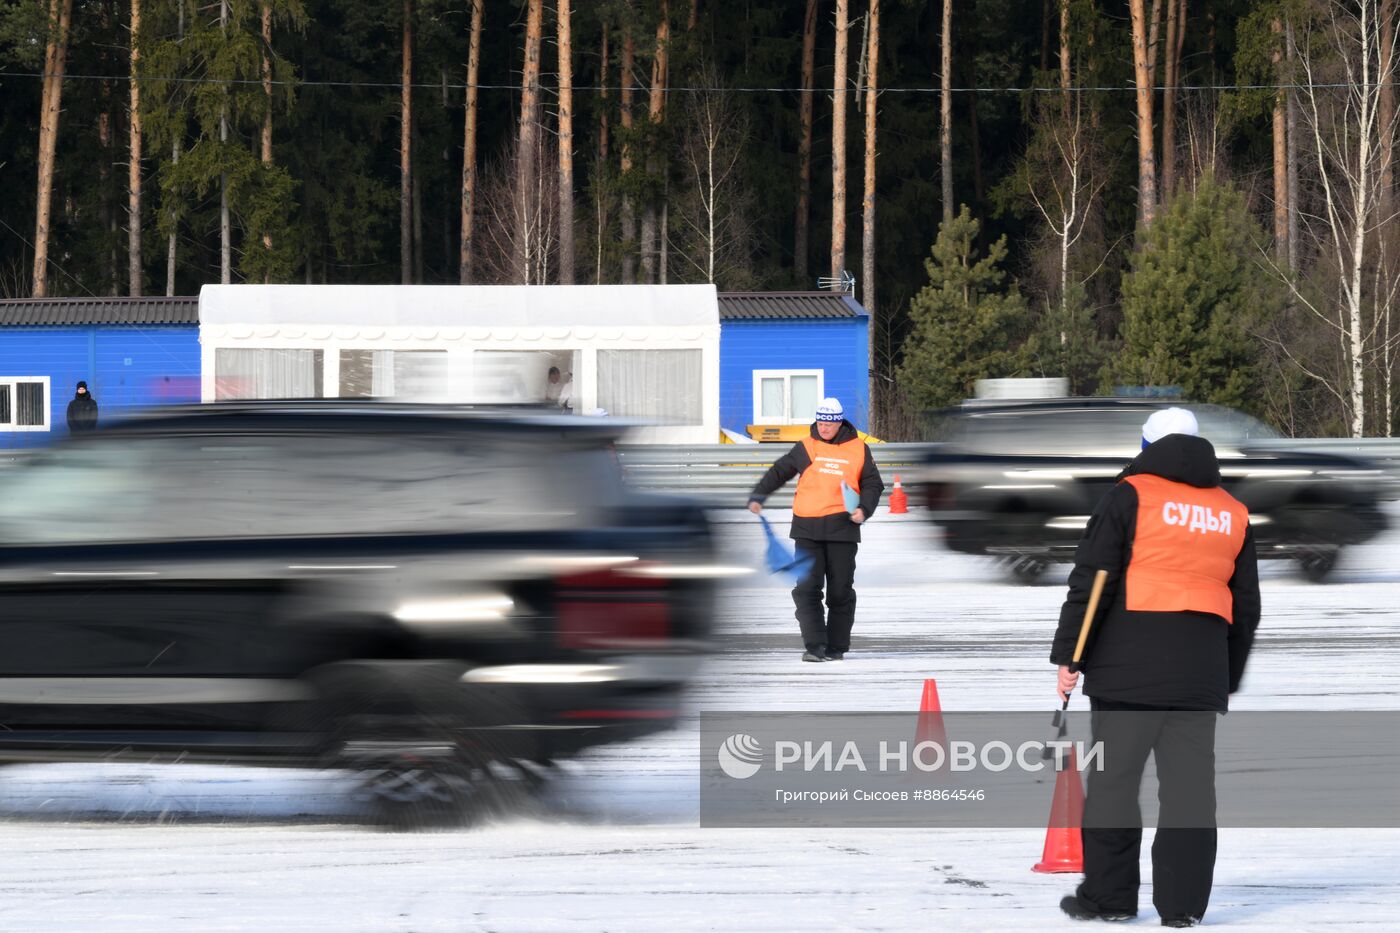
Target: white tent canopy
[
  {"x": 649, "y": 352},
  {"x": 474, "y": 306}
]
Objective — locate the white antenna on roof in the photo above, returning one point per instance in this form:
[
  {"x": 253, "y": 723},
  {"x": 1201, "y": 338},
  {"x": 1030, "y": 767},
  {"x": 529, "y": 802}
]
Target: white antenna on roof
[{"x": 843, "y": 283}]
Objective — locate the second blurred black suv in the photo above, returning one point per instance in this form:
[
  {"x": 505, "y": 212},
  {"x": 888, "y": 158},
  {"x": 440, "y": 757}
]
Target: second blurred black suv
[{"x": 1018, "y": 480}]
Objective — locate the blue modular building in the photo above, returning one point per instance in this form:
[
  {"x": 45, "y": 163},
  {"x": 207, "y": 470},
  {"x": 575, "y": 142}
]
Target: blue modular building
[
  {"x": 782, "y": 352},
  {"x": 779, "y": 354},
  {"x": 132, "y": 353}
]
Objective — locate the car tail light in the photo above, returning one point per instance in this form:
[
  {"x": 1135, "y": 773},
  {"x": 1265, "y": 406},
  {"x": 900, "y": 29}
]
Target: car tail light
[{"x": 611, "y": 609}]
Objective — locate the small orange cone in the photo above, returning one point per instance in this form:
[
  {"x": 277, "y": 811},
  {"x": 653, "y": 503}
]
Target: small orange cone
[
  {"x": 899, "y": 501},
  {"x": 930, "y": 716},
  {"x": 1064, "y": 845}
]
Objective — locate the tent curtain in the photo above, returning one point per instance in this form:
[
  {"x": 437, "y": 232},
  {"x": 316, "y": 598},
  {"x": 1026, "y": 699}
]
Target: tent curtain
[
  {"x": 393, "y": 373},
  {"x": 657, "y": 385},
  {"x": 266, "y": 373}
]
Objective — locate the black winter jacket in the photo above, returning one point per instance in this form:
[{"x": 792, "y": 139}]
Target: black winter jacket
[
  {"x": 838, "y": 527},
  {"x": 1175, "y": 660},
  {"x": 82, "y": 413}
]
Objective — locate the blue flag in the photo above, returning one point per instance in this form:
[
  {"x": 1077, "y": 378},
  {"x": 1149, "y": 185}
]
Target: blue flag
[
  {"x": 782, "y": 559},
  {"x": 850, "y": 497}
]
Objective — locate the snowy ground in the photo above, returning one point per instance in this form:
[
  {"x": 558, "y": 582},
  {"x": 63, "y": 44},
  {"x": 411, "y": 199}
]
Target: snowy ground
[{"x": 617, "y": 845}]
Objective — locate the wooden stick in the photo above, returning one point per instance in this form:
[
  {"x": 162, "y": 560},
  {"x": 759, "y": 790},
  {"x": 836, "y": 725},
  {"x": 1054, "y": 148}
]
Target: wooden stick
[{"x": 1100, "y": 577}]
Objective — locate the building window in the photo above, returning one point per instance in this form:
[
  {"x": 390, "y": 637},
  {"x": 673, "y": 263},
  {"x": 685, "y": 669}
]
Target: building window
[
  {"x": 393, "y": 373},
  {"x": 786, "y": 396},
  {"x": 266, "y": 373},
  {"x": 24, "y": 403},
  {"x": 655, "y": 385}
]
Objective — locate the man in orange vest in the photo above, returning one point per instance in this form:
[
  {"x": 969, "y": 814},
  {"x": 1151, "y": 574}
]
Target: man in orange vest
[
  {"x": 1181, "y": 606},
  {"x": 824, "y": 526}
]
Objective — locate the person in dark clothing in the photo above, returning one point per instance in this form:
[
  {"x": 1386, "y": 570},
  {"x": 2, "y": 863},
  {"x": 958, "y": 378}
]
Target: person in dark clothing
[
  {"x": 830, "y": 461},
  {"x": 82, "y": 410},
  {"x": 1182, "y": 606}
]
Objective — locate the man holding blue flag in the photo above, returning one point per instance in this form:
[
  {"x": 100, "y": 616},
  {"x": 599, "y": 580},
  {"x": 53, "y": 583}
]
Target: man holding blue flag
[{"x": 838, "y": 488}]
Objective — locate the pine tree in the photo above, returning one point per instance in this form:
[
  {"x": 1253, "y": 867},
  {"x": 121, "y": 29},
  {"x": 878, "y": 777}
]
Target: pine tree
[
  {"x": 220, "y": 117},
  {"x": 1066, "y": 343},
  {"x": 1191, "y": 297},
  {"x": 966, "y": 323}
]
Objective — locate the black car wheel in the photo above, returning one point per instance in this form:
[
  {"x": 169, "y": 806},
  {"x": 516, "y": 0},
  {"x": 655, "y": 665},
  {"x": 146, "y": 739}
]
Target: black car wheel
[
  {"x": 1316, "y": 566},
  {"x": 420, "y": 743},
  {"x": 1028, "y": 570}
]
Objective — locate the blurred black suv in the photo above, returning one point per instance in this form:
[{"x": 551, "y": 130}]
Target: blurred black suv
[
  {"x": 426, "y": 595},
  {"x": 1018, "y": 480}
]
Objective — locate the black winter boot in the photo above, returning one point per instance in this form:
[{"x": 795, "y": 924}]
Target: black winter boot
[{"x": 1074, "y": 907}]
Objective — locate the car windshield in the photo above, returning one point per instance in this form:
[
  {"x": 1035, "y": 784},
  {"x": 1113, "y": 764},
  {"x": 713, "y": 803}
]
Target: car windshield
[
  {"x": 1226, "y": 427},
  {"x": 271, "y": 485},
  {"x": 1090, "y": 431}
]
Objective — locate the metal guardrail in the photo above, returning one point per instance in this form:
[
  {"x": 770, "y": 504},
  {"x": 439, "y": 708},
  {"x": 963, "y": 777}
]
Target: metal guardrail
[
  {"x": 725, "y": 473},
  {"x": 1381, "y": 450}
]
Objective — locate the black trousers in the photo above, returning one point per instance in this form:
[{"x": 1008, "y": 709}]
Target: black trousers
[
  {"x": 1183, "y": 849},
  {"x": 833, "y": 566}
]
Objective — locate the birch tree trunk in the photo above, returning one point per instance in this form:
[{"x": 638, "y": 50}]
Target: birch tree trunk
[
  {"x": 1385, "y": 191},
  {"x": 1347, "y": 143},
  {"x": 945, "y": 131},
  {"x": 800, "y": 243},
  {"x": 51, "y": 105},
  {"x": 838, "y": 145},
  {"x": 466, "y": 257},
  {"x": 1142, "y": 76},
  {"x": 526, "y": 182},
  {"x": 566, "y": 147},
  {"x": 1361, "y": 212},
  {"x": 133, "y": 210}
]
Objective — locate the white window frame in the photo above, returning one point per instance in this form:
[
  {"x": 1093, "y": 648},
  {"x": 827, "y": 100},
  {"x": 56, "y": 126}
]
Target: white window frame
[
  {"x": 786, "y": 375},
  {"x": 12, "y": 382}
]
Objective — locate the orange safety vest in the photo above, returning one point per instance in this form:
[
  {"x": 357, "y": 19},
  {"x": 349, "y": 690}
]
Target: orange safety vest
[
  {"x": 819, "y": 486},
  {"x": 1185, "y": 548}
]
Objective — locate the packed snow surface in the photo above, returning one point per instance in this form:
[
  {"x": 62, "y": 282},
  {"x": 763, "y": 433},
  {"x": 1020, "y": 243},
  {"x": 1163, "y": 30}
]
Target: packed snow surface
[{"x": 615, "y": 843}]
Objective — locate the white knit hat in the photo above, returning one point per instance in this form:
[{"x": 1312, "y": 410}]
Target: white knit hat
[
  {"x": 830, "y": 410},
  {"x": 1168, "y": 421}
]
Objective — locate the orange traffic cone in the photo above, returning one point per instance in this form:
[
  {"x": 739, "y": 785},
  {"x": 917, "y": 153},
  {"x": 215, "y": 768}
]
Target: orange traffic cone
[
  {"x": 1064, "y": 845},
  {"x": 899, "y": 501},
  {"x": 930, "y": 716}
]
